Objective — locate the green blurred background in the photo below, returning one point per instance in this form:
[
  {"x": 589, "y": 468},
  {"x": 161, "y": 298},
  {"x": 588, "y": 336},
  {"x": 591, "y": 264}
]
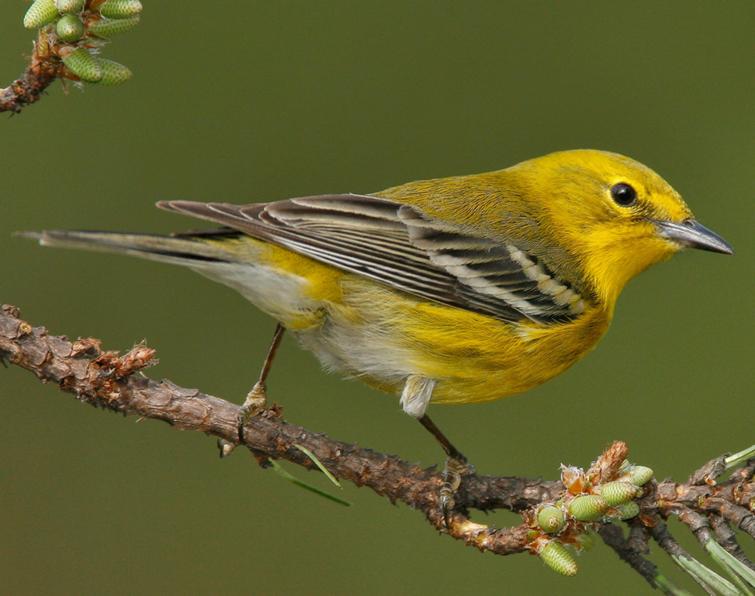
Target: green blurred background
[{"x": 255, "y": 101}]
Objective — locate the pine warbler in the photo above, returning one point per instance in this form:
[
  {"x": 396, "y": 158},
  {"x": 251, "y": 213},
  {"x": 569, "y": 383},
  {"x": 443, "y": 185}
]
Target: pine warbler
[{"x": 454, "y": 290}]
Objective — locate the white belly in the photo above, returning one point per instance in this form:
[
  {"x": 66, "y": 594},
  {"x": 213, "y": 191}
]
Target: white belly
[{"x": 367, "y": 347}]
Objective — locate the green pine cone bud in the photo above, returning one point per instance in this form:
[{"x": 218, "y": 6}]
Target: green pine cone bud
[
  {"x": 588, "y": 507},
  {"x": 113, "y": 73},
  {"x": 555, "y": 556},
  {"x": 40, "y": 13},
  {"x": 120, "y": 9},
  {"x": 551, "y": 519},
  {"x": 70, "y": 6},
  {"x": 616, "y": 493},
  {"x": 85, "y": 66},
  {"x": 628, "y": 510},
  {"x": 69, "y": 28},
  {"x": 107, "y": 28},
  {"x": 640, "y": 475}
]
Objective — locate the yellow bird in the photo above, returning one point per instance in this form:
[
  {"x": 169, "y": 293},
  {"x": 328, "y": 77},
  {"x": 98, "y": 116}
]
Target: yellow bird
[{"x": 454, "y": 290}]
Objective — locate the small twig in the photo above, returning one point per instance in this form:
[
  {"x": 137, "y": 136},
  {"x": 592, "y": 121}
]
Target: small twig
[
  {"x": 709, "y": 472},
  {"x": 44, "y": 67},
  {"x": 738, "y": 516},
  {"x": 639, "y": 536}
]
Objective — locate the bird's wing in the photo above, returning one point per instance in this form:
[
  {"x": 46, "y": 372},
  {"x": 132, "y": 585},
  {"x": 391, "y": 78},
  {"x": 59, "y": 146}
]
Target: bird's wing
[{"x": 398, "y": 245}]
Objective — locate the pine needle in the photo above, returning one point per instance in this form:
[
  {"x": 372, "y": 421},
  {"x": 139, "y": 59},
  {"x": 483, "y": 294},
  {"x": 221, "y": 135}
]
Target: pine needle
[{"x": 291, "y": 478}]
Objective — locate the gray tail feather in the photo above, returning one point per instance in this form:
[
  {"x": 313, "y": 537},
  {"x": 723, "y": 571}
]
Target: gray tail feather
[{"x": 181, "y": 250}]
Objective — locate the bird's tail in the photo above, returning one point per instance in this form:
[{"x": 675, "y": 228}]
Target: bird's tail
[{"x": 185, "y": 249}]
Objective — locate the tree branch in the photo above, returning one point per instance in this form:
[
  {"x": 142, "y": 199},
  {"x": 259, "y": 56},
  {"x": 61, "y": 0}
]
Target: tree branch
[{"x": 108, "y": 380}]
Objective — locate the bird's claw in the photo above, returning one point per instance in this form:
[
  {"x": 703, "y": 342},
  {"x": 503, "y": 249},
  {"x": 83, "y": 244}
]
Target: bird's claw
[
  {"x": 454, "y": 469},
  {"x": 255, "y": 402}
]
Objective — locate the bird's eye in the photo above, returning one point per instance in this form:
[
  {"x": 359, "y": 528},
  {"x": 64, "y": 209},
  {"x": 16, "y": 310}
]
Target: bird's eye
[{"x": 623, "y": 194}]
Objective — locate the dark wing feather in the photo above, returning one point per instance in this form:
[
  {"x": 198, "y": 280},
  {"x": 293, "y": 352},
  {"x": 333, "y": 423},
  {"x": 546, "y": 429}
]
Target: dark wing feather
[{"x": 398, "y": 245}]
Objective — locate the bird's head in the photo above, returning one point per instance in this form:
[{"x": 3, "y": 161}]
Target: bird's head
[{"x": 615, "y": 215}]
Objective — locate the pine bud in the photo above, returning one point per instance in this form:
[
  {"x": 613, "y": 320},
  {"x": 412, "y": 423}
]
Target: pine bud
[
  {"x": 616, "y": 493},
  {"x": 120, "y": 9},
  {"x": 573, "y": 479},
  {"x": 113, "y": 73},
  {"x": 551, "y": 519},
  {"x": 555, "y": 556},
  {"x": 40, "y": 13},
  {"x": 69, "y": 28},
  {"x": 107, "y": 28},
  {"x": 69, "y": 6},
  {"x": 640, "y": 475},
  {"x": 628, "y": 510},
  {"x": 588, "y": 507},
  {"x": 85, "y": 66}
]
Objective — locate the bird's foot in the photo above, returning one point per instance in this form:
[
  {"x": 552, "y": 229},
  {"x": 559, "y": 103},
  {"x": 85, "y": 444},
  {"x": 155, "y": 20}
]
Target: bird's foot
[
  {"x": 256, "y": 400},
  {"x": 254, "y": 404},
  {"x": 456, "y": 467}
]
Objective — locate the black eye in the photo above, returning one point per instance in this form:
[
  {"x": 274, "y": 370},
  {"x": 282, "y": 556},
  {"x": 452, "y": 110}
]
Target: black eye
[{"x": 623, "y": 194}]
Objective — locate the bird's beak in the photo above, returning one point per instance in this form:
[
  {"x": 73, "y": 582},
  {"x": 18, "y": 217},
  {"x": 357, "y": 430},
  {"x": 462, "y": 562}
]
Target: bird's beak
[{"x": 693, "y": 234}]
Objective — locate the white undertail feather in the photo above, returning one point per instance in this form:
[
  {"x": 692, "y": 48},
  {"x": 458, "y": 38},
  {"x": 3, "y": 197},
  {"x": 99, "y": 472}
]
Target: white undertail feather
[
  {"x": 276, "y": 293},
  {"x": 416, "y": 395}
]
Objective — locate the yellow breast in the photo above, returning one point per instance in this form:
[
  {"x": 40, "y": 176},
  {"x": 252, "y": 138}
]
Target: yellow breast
[{"x": 477, "y": 358}]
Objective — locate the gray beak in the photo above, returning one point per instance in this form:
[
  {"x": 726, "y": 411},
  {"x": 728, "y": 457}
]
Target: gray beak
[{"x": 692, "y": 234}]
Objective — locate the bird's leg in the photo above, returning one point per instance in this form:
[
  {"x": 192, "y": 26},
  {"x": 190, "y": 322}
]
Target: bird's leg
[
  {"x": 415, "y": 397},
  {"x": 256, "y": 399},
  {"x": 447, "y": 446},
  {"x": 456, "y": 466}
]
